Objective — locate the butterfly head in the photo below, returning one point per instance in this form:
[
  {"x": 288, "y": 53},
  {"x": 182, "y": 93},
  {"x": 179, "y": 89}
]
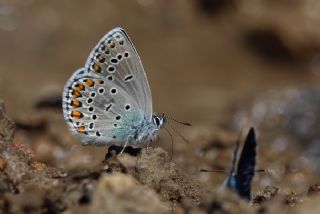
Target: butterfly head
[{"x": 159, "y": 120}]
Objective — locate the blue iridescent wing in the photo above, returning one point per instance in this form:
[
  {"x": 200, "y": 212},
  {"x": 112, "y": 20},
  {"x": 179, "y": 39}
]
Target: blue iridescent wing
[
  {"x": 246, "y": 165},
  {"x": 232, "y": 178}
]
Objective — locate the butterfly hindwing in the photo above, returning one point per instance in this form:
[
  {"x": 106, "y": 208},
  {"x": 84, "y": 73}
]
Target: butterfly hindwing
[{"x": 98, "y": 111}]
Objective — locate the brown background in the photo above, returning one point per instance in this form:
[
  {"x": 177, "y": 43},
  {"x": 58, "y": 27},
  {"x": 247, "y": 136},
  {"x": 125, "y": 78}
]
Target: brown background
[{"x": 198, "y": 60}]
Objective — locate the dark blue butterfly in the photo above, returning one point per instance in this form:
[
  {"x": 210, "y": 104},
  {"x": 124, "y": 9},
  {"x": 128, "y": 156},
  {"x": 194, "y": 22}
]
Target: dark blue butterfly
[{"x": 239, "y": 180}]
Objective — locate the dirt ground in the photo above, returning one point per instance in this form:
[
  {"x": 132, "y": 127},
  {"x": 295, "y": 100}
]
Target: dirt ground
[{"x": 223, "y": 66}]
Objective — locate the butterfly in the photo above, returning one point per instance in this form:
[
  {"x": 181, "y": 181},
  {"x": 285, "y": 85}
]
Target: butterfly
[
  {"x": 240, "y": 180},
  {"x": 108, "y": 101}
]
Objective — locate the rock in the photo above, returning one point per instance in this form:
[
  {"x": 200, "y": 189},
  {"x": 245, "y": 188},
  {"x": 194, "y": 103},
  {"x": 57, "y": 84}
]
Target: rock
[
  {"x": 314, "y": 189},
  {"x": 16, "y": 160},
  {"x": 155, "y": 169},
  {"x": 18, "y": 164},
  {"x": 267, "y": 194},
  {"x": 6, "y": 125},
  {"x": 119, "y": 193}
]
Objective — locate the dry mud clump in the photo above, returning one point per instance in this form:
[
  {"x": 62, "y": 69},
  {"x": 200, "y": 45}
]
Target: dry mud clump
[
  {"x": 137, "y": 181},
  {"x": 147, "y": 182}
]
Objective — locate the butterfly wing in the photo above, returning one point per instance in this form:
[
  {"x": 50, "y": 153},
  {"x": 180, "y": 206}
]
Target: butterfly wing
[
  {"x": 246, "y": 164},
  {"x": 232, "y": 178},
  {"x": 115, "y": 57},
  {"x": 104, "y": 101},
  {"x": 99, "y": 112}
]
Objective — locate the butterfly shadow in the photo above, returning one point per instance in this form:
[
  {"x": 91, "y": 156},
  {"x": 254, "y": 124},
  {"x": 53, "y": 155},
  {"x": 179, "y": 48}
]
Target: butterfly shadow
[{"x": 114, "y": 150}]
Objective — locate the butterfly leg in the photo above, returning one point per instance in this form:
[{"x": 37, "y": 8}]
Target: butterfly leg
[
  {"x": 125, "y": 145},
  {"x": 149, "y": 145},
  {"x": 158, "y": 140}
]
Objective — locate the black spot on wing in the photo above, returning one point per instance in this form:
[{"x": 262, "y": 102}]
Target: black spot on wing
[{"x": 128, "y": 78}]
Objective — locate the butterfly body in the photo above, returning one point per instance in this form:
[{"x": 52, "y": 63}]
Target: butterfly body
[{"x": 108, "y": 101}]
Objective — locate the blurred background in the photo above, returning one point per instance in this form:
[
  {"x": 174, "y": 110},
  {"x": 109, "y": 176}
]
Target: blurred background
[{"x": 214, "y": 63}]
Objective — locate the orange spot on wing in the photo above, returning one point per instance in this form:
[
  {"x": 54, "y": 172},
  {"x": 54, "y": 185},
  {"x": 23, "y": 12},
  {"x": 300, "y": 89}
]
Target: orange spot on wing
[
  {"x": 96, "y": 68},
  {"x": 76, "y": 103},
  {"x": 81, "y": 129},
  {"x": 76, "y": 114},
  {"x": 89, "y": 82},
  {"x": 79, "y": 87},
  {"x": 76, "y": 93}
]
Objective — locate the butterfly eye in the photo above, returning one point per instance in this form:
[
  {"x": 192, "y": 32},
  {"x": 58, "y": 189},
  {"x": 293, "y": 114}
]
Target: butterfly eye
[{"x": 157, "y": 121}]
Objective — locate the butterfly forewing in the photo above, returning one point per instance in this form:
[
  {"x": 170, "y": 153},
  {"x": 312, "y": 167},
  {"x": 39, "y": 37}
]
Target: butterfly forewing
[{"x": 115, "y": 58}]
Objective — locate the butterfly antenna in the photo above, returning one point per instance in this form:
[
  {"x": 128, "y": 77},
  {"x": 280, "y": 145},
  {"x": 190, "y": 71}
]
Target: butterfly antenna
[
  {"x": 171, "y": 141},
  {"x": 215, "y": 170},
  {"x": 182, "y": 123},
  {"x": 180, "y": 135}
]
